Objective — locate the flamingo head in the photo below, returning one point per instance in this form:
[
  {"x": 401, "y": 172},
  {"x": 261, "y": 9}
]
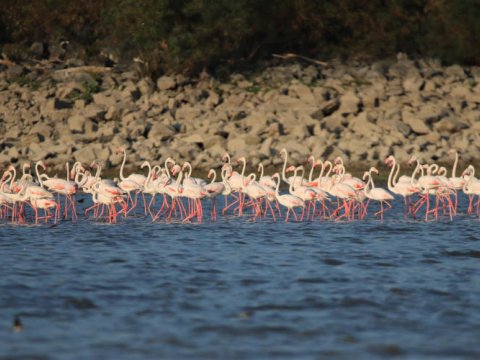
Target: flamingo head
[
  {"x": 120, "y": 150},
  {"x": 389, "y": 160},
  {"x": 319, "y": 162},
  {"x": 336, "y": 169},
  {"x": 94, "y": 164},
  {"x": 290, "y": 169},
  {"x": 276, "y": 176},
  {"x": 338, "y": 160},
  {"x": 366, "y": 174},
  {"x": 468, "y": 170},
  {"x": 242, "y": 159},
  {"x": 283, "y": 152},
  {"x": 311, "y": 160},
  {"x": 145, "y": 163},
  {"x": 452, "y": 151},
  {"x": 226, "y": 157},
  {"x": 374, "y": 169},
  {"x": 176, "y": 169},
  {"x": 4, "y": 175},
  {"x": 412, "y": 160},
  {"x": 11, "y": 168},
  {"x": 211, "y": 172},
  {"x": 27, "y": 165}
]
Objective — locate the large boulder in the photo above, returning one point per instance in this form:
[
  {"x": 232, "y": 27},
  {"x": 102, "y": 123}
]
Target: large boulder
[
  {"x": 416, "y": 124},
  {"x": 166, "y": 83},
  {"x": 76, "y": 123},
  {"x": 349, "y": 103}
]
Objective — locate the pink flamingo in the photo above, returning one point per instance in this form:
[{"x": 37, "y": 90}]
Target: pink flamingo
[
  {"x": 288, "y": 200},
  {"x": 375, "y": 193}
]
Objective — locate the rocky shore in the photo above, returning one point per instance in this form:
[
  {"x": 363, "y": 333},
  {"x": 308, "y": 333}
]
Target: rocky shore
[{"x": 363, "y": 112}]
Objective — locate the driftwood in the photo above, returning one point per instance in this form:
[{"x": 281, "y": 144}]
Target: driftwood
[
  {"x": 290, "y": 56},
  {"x": 88, "y": 69}
]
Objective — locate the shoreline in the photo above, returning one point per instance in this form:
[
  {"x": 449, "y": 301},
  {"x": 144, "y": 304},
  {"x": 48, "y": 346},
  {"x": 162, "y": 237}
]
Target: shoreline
[{"x": 360, "y": 111}]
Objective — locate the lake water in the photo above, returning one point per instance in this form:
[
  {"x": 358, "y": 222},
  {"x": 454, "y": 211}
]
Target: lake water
[{"x": 242, "y": 289}]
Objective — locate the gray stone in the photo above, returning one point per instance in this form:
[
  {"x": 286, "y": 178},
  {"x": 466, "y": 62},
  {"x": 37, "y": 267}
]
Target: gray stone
[
  {"x": 76, "y": 123},
  {"x": 349, "y": 103},
  {"x": 416, "y": 124},
  {"x": 145, "y": 86},
  {"x": 94, "y": 111},
  {"x": 166, "y": 83},
  {"x": 161, "y": 131},
  {"x": 413, "y": 84},
  {"x": 450, "y": 125},
  {"x": 85, "y": 155}
]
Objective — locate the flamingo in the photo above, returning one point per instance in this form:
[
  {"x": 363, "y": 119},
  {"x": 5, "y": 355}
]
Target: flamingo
[
  {"x": 288, "y": 200},
  {"x": 61, "y": 187},
  {"x": 471, "y": 187},
  {"x": 215, "y": 188},
  {"x": 375, "y": 193},
  {"x": 401, "y": 187}
]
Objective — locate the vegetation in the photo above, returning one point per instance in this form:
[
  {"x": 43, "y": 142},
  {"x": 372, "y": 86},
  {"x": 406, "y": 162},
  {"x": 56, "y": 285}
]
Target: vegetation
[{"x": 220, "y": 35}]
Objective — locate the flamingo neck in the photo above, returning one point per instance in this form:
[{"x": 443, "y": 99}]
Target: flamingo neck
[
  {"x": 277, "y": 186},
  {"x": 68, "y": 171},
  {"x": 214, "y": 177},
  {"x": 123, "y": 165},
  {"x": 330, "y": 167},
  {"x": 261, "y": 170},
  {"x": 454, "y": 169},
  {"x": 13, "y": 177},
  {"x": 284, "y": 177},
  {"x": 149, "y": 176},
  {"x": 38, "y": 174},
  {"x": 311, "y": 170},
  {"x": 244, "y": 167},
  {"x": 228, "y": 188},
  {"x": 390, "y": 182},
  {"x": 290, "y": 188}
]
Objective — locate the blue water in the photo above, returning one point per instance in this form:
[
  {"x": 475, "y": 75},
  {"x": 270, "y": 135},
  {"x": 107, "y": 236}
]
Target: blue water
[{"x": 241, "y": 289}]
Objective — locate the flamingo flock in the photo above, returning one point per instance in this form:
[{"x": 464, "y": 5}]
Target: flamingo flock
[{"x": 169, "y": 192}]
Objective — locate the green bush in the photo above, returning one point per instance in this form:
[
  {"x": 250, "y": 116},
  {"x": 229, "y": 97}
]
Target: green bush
[{"x": 220, "y": 35}]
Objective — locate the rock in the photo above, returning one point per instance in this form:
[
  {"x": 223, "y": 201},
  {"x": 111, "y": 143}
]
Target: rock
[
  {"x": 15, "y": 71},
  {"x": 417, "y": 125},
  {"x": 76, "y": 123},
  {"x": 413, "y": 84},
  {"x": 161, "y": 131},
  {"x": 103, "y": 99},
  {"x": 349, "y": 103},
  {"x": 326, "y": 109},
  {"x": 304, "y": 93},
  {"x": 37, "y": 49},
  {"x": 85, "y": 155},
  {"x": 212, "y": 100},
  {"x": 145, "y": 86},
  {"x": 454, "y": 72},
  {"x": 41, "y": 131},
  {"x": 166, "y": 83},
  {"x": 13, "y": 133},
  {"x": 360, "y": 125},
  {"x": 450, "y": 125},
  {"x": 95, "y": 111},
  {"x": 394, "y": 87}
]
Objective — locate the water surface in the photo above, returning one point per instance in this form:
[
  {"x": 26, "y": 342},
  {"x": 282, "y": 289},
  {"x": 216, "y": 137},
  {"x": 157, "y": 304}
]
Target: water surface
[{"x": 241, "y": 289}]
